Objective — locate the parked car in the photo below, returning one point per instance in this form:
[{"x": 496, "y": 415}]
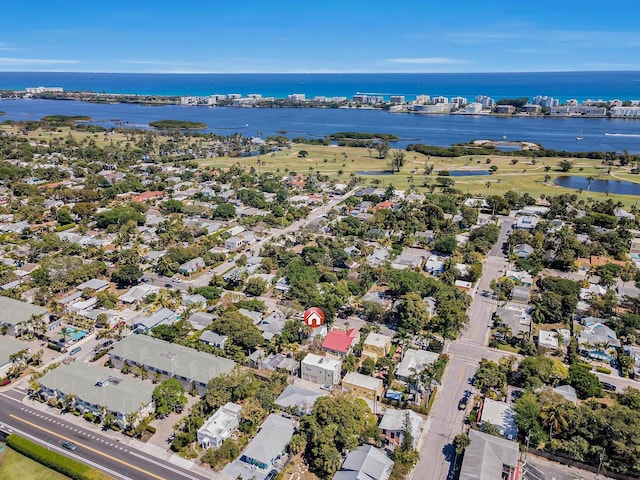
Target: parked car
[
  {"x": 327, "y": 387},
  {"x": 609, "y": 386},
  {"x": 69, "y": 445},
  {"x": 75, "y": 350},
  {"x": 168, "y": 285},
  {"x": 271, "y": 475},
  {"x": 144, "y": 279}
]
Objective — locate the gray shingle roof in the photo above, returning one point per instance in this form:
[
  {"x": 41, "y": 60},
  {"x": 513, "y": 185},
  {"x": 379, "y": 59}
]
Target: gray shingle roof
[
  {"x": 485, "y": 456},
  {"x": 365, "y": 463},
  {"x": 119, "y": 393},
  {"x": 274, "y": 435},
  {"x": 9, "y": 346},
  {"x": 176, "y": 359},
  {"x": 14, "y": 312}
]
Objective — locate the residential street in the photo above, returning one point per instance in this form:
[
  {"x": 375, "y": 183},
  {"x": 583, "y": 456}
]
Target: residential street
[{"x": 445, "y": 421}]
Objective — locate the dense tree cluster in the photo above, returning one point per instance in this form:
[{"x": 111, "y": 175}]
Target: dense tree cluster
[
  {"x": 589, "y": 432},
  {"x": 336, "y": 424}
]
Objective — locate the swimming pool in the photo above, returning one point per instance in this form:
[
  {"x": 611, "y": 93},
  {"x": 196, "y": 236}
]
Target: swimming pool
[{"x": 76, "y": 334}]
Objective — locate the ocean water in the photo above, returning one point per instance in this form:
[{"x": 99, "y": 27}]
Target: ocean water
[
  {"x": 599, "y": 134},
  {"x": 562, "y": 85}
]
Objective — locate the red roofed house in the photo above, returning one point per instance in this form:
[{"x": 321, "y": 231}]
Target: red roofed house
[
  {"x": 297, "y": 181},
  {"x": 382, "y": 205},
  {"x": 147, "y": 196},
  {"x": 339, "y": 342}
]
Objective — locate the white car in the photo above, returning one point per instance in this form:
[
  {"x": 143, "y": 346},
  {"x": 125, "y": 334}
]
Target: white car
[{"x": 327, "y": 387}]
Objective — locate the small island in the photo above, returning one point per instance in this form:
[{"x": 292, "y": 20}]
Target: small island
[
  {"x": 177, "y": 125},
  {"x": 65, "y": 120}
]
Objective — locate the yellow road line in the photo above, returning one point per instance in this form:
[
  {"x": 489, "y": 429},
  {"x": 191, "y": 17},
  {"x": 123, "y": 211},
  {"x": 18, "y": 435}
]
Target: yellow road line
[{"x": 87, "y": 447}]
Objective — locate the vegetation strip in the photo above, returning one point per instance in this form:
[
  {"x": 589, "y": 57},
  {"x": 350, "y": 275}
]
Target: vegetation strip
[{"x": 54, "y": 460}]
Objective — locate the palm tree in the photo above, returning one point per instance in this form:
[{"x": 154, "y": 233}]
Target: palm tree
[
  {"x": 554, "y": 416},
  {"x": 589, "y": 180}
]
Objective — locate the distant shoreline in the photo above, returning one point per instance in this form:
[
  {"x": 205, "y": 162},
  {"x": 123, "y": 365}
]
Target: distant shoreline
[{"x": 278, "y": 103}]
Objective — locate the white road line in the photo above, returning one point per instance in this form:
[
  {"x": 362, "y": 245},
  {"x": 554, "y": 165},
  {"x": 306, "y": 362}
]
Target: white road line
[
  {"x": 147, "y": 459},
  {"x": 77, "y": 457}
]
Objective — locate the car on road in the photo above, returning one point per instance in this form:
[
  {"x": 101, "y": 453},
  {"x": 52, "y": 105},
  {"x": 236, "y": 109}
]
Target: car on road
[
  {"x": 609, "y": 386},
  {"x": 144, "y": 279},
  {"x": 168, "y": 285},
  {"x": 327, "y": 387},
  {"x": 69, "y": 446},
  {"x": 271, "y": 475},
  {"x": 75, "y": 350},
  {"x": 177, "y": 280}
]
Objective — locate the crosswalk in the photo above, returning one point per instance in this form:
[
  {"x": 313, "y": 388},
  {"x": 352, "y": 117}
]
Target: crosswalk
[{"x": 72, "y": 428}]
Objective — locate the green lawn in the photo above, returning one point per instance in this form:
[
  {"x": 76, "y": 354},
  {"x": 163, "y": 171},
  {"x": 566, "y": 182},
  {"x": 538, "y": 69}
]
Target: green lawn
[
  {"x": 14, "y": 466},
  {"x": 340, "y": 163}
]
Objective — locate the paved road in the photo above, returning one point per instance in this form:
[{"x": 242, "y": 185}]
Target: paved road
[
  {"x": 446, "y": 420},
  {"x": 112, "y": 453}
]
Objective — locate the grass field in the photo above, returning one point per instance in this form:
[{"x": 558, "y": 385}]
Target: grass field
[
  {"x": 340, "y": 163},
  {"x": 14, "y": 466}
]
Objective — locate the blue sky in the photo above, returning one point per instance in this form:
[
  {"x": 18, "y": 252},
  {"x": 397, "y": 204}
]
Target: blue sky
[{"x": 248, "y": 36}]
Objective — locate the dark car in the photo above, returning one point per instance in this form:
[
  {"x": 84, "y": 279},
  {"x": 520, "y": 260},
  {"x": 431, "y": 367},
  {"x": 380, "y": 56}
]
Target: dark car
[
  {"x": 462, "y": 404},
  {"x": 271, "y": 475},
  {"x": 608, "y": 386},
  {"x": 75, "y": 350},
  {"x": 168, "y": 285},
  {"x": 69, "y": 445}
]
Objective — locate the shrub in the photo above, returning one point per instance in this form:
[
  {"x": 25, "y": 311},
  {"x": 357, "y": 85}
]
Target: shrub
[
  {"x": 64, "y": 465},
  {"x": 603, "y": 370}
]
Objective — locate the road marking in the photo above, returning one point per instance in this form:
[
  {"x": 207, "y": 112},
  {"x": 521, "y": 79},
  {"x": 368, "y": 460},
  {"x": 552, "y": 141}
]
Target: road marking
[
  {"x": 97, "y": 452},
  {"x": 11, "y": 398},
  {"x": 161, "y": 465}
]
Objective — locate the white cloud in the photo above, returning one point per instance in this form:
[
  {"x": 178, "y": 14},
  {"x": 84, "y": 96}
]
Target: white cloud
[
  {"x": 34, "y": 61},
  {"x": 4, "y": 47},
  {"x": 426, "y": 60}
]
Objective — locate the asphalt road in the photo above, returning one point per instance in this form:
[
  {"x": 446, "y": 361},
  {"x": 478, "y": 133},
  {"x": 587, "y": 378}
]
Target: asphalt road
[
  {"x": 445, "y": 420},
  {"x": 114, "y": 456}
]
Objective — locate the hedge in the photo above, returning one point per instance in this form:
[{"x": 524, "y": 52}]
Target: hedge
[
  {"x": 64, "y": 465},
  {"x": 603, "y": 370}
]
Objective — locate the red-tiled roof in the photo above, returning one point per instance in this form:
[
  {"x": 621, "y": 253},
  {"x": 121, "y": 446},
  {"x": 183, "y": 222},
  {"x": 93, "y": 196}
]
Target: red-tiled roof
[
  {"x": 339, "y": 341},
  {"x": 147, "y": 196}
]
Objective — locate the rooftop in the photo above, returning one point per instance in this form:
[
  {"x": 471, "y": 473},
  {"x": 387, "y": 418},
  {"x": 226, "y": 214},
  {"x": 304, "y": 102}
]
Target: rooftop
[
  {"x": 13, "y": 312},
  {"x": 100, "y": 386},
  {"x": 364, "y": 381},
  {"x": 339, "y": 340},
  {"x": 169, "y": 357},
  {"x": 271, "y": 440}
]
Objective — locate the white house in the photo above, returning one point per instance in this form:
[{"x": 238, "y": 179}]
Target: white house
[
  {"x": 192, "y": 265},
  {"x": 322, "y": 370},
  {"x": 219, "y": 426},
  {"x": 548, "y": 339}
]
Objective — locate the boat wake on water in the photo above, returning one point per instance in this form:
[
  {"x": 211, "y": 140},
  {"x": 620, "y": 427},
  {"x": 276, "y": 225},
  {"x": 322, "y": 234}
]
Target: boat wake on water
[{"x": 622, "y": 134}]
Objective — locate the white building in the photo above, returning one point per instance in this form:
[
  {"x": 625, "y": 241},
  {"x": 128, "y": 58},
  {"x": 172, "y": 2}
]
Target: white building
[
  {"x": 414, "y": 362},
  {"x": 486, "y": 102},
  {"x": 625, "y": 111},
  {"x": 219, "y": 426},
  {"x": 322, "y": 370}
]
